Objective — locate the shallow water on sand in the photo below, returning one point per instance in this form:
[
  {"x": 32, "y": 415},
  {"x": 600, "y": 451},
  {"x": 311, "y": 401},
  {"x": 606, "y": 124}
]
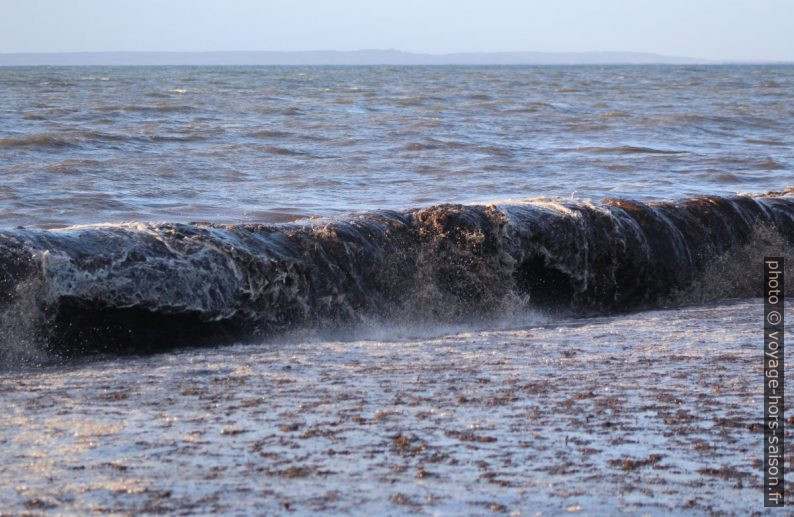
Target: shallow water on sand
[
  {"x": 644, "y": 413},
  {"x": 268, "y": 144}
]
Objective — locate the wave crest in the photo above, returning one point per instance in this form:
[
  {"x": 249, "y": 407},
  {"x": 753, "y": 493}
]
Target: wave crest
[{"x": 138, "y": 287}]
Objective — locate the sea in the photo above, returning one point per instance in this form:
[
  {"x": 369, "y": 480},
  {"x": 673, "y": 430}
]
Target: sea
[{"x": 441, "y": 290}]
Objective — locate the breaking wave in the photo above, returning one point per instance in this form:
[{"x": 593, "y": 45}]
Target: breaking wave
[{"x": 139, "y": 287}]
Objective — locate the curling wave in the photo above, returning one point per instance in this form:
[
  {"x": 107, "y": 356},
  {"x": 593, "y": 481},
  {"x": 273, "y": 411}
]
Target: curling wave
[{"x": 139, "y": 287}]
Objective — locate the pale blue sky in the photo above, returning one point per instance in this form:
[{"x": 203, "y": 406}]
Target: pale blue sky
[{"x": 711, "y": 29}]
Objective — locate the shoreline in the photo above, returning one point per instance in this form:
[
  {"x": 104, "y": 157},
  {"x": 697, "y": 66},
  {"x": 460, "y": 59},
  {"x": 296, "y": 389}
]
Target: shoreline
[{"x": 623, "y": 414}]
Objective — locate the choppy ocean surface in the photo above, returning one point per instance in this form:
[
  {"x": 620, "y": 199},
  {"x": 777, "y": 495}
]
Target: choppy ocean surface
[
  {"x": 268, "y": 144},
  {"x": 394, "y": 288}
]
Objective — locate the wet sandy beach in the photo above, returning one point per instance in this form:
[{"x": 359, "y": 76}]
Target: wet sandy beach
[{"x": 649, "y": 413}]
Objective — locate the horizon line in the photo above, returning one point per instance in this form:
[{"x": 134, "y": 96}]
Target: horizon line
[{"x": 371, "y": 56}]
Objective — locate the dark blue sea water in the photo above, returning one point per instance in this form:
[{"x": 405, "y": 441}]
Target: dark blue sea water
[{"x": 268, "y": 144}]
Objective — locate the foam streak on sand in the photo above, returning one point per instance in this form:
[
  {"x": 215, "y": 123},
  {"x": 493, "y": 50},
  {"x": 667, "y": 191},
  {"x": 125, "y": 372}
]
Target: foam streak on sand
[{"x": 138, "y": 287}]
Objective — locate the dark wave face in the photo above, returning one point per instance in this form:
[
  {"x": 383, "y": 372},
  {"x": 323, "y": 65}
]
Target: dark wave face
[{"x": 139, "y": 287}]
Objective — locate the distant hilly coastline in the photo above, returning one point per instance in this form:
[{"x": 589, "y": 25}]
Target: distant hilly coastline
[{"x": 334, "y": 57}]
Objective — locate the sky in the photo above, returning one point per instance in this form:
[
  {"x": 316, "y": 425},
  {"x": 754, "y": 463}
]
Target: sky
[{"x": 706, "y": 29}]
